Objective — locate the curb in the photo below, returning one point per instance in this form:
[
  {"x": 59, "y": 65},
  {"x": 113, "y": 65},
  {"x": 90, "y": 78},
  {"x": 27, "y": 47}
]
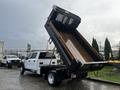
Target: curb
[{"x": 102, "y": 81}]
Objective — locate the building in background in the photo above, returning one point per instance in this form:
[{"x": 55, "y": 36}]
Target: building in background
[{"x": 1, "y": 50}]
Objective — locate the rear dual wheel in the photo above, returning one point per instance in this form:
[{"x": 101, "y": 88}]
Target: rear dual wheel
[{"x": 81, "y": 75}]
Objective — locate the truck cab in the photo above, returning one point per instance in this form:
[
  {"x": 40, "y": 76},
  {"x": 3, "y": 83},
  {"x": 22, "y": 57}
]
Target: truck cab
[{"x": 38, "y": 59}]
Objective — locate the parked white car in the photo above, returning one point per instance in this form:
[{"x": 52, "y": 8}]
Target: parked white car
[{"x": 11, "y": 60}]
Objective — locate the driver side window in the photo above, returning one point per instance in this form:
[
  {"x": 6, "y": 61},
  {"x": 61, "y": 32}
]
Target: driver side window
[
  {"x": 4, "y": 57},
  {"x": 32, "y": 56}
]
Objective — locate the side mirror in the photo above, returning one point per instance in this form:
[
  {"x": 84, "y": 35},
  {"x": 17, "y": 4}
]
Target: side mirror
[{"x": 4, "y": 57}]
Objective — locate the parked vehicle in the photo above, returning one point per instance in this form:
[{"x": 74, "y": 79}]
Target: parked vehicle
[
  {"x": 11, "y": 60},
  {"x": 77, "y": 55}
]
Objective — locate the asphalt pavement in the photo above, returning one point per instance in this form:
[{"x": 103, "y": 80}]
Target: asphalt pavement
[{"x": 10, "y": 79}]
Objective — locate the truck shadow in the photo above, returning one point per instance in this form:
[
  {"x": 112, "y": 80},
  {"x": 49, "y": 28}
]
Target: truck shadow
[{"x": 35, "y": 82}]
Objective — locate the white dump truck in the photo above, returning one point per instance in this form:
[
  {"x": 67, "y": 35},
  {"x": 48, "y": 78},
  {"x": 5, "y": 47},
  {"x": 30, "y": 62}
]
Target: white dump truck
[{"x": 75, "y": 53}]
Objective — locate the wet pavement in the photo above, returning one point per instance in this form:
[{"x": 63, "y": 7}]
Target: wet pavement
[{"x": 10, "y": 79}]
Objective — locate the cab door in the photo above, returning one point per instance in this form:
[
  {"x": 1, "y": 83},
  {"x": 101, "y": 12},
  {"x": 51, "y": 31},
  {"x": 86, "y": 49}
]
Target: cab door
[
  {"x": 30, "y": 62},
  {"x": 34, "y": 61},
  {"x": 46, "y": 58}
]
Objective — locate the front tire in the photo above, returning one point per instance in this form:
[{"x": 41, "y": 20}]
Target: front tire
[
  {"x": 22, "y": 69},
  {"x": 53, "y": 79},
  {"x": 9, "y": 66}
]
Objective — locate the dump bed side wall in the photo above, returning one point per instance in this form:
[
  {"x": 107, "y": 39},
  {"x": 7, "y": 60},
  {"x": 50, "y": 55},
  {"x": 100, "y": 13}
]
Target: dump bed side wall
[{"x": 93, "y": 53}]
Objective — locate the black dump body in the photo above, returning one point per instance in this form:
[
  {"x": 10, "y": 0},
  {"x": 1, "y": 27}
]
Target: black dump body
[{"x": 76, "y": 52}]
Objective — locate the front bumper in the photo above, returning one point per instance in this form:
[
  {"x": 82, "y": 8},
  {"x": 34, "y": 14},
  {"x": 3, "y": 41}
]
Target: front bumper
[{"x": 15, "y": 62}]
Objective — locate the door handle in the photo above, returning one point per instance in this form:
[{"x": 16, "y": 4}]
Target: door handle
[
  {"x": 28, "y": 60},
  {"x": 33, "y": 60}
]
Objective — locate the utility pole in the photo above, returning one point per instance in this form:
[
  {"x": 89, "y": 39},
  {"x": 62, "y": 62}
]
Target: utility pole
[{"x": 28, "y": 48}]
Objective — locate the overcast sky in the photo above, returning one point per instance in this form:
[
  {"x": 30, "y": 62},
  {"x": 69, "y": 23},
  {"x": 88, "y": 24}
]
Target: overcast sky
[{"x": 22, "y": 21}]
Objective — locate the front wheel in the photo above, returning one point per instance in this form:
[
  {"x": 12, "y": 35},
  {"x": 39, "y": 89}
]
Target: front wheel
[
  {"x": 22, "y": 70},
  {"x": 53, "y": 79},
  {"x": 9, "y": 65}
]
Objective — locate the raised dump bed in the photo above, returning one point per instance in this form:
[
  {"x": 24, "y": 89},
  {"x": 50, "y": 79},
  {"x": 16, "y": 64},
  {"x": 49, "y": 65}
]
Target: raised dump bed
[{"x": 76, "y": 52}]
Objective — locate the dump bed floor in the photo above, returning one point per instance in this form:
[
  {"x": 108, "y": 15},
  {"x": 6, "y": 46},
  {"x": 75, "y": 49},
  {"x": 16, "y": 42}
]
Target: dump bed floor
[
  {"x": 75, "y": 48},
  {"x": 73, "y": 45}
]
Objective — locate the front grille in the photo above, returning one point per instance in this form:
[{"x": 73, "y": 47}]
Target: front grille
[{"x": 15, "y": 62}]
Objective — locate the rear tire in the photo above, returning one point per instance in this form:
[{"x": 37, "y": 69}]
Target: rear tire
[
  {"x": 81, "y": 76},
  {"x": 53, "y": 79}
]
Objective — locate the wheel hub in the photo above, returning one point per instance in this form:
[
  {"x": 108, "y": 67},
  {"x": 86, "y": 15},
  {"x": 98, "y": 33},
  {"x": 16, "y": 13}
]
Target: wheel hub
[{"x": 51, "y": 78}]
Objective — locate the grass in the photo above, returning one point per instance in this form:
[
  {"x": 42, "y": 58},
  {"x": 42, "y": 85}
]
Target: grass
[{"x": 107, "y": 73}]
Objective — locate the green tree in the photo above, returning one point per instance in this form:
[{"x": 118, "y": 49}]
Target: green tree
[
  {"x": 119, "y": 54},
  {"x": 95, "y": 45},
  {"x": 107, "y": 50}
]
